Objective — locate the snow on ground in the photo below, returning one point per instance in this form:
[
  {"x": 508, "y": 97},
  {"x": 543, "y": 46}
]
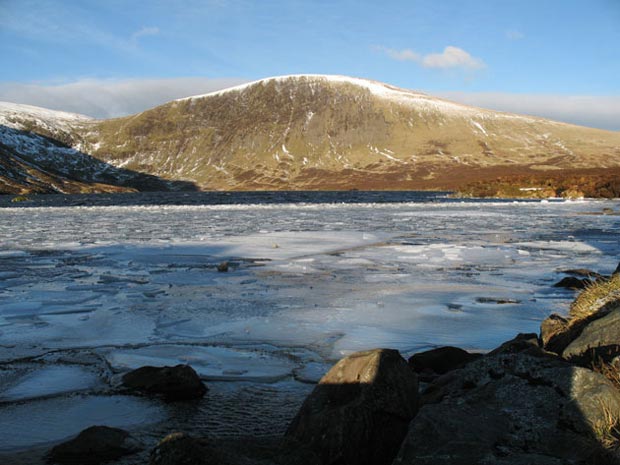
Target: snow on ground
[
  {"x": 13, "y": 115},
  {"x": 87, "y": 293}
]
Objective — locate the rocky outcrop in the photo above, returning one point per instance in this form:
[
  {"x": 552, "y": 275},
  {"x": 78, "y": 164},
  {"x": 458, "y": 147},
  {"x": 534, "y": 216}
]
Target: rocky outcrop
[
  {"x": 95, "y": 445},
  {"x": 512, "y": 408},
  {"x": 360, "y": 410},
  {"x": 180, "y": 382}
]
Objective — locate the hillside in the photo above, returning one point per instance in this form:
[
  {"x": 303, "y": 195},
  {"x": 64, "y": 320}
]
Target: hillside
[{"x": 332, "y": 132}]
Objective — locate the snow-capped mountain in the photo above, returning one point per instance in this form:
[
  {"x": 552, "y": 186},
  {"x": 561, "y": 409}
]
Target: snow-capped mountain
[{"x": 324, "y": 132}]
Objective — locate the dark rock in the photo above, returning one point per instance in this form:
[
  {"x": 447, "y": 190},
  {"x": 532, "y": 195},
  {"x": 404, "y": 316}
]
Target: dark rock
[
  {"x": 599, "y": 339},
  {"x": 570, "y": 282},
  {"x": 556, "y": 333},
  {"x": 94, "y": 445},
  {"x": 180, "y": 382},
  {"x": 583, "y": 272},
  {"x": 512, "y": 408},
  {"x": 440, "y": 360},
  {"x": 223, "y": 267},
  {"x": 522, "y": 343},
  {"x": 359, "y": 412},
  {"x": 497, "y": 300},
  {"x": 182, "y": 449}
]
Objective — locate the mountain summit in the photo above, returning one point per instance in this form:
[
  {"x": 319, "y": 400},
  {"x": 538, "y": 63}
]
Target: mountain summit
[{"x": 329, "y": 132}]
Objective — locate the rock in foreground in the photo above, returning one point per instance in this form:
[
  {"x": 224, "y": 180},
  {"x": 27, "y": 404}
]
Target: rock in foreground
[
  {"x": 95, "y": 445},
  {"x": 359, "y": 412},
  {"x": 180, "y": 382},
  {"x": 513, "y": 408},
  {"x": 183, "y": 449},
  {"x": 434, "y": 362}
]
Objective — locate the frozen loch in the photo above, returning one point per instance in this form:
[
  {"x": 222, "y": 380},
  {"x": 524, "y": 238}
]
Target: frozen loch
[{"x": 88, "y": 293}]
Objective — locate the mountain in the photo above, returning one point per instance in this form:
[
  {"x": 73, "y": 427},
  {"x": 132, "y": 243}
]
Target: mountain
[
  {"x": 39, "y": 153},
  {"x": 322, "y": 132}
]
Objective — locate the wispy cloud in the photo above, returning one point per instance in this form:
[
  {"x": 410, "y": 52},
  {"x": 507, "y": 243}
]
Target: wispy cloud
[
  {"x": 513, "y": 34},
  {"x": 102, "y": 98},
  {"x": 594, "y": 111},
  {"x": 145, "y": 31},
  {"x": 450, "y": 57},
  {"x": 402, "y": 55}
]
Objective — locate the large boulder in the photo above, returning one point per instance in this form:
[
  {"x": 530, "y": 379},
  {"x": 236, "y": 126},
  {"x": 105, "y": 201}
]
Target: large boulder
[
  {"x": 598, "y": 341},
  {"x": 513, "y": 408},
  {"x": 180, "y": 382},
  {"x": 95, "y": 445},
  {"x": 359, "y": 412}
]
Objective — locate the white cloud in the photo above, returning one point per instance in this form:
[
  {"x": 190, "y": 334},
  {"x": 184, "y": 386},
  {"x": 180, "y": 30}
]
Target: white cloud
[
  {"x": 102, "y": 98},
  {"x": 451, "y": 57},
  {"x": 594, "y": 111}
]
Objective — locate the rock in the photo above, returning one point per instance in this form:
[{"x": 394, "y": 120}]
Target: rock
[
  {"x": 223, "y": 267},
  {"x": 570, "y": 282},
  {"x": 182, "y": 449},
  {"x": 359, "y": 412},
  {"x": 94, "y": 445},
  {"x": 497, "y": 300},
  {"x": 599, "y": 339},
  {"x": 583, "y": 272},
  {"x": 556, "y": 334},
  {"x": 522, "y": 343},
  {"x": 440, "y": 360},
  {"x": 512, "y": 408},
  {"x": 180, "y": 382}
]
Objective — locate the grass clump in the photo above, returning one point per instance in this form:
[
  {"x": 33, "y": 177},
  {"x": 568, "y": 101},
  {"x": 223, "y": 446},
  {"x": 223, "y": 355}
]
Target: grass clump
[
  {"x": 20, "y": 198},
  {"x": 595, "y": 297},
  {"x": 607, "y": 433}
]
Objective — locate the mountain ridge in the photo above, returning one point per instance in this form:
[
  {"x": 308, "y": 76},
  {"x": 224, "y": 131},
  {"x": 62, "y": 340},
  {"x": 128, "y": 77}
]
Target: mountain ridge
[{"x": 307, "y": 132}]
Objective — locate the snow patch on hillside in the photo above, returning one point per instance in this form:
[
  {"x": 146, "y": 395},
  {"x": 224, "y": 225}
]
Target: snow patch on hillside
[{"x": 14, "y": 115}]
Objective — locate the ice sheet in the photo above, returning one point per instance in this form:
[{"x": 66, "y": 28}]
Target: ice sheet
[
  {"x": 45, "y": 421},
  {"x": 49, "y": 381},
  {"x": 211, "y": 363}
]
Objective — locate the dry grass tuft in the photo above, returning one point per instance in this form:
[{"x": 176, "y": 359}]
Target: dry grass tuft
[
  {"x": 607, "y": 430},
  {"x": 594, "y": 297},
  {"x": 608, "y": 370}
]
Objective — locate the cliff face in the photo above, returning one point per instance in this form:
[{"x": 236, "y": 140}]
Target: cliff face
[{"x": 333, "y": 132}]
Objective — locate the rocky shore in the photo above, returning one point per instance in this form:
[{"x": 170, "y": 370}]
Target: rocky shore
[{"x": 547, "y": 399}]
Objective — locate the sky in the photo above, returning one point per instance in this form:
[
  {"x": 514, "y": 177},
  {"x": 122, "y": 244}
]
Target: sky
[{"x": 553, "y": 58}]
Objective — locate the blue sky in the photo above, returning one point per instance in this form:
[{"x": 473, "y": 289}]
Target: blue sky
[{"x": 558, "y": 58}]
